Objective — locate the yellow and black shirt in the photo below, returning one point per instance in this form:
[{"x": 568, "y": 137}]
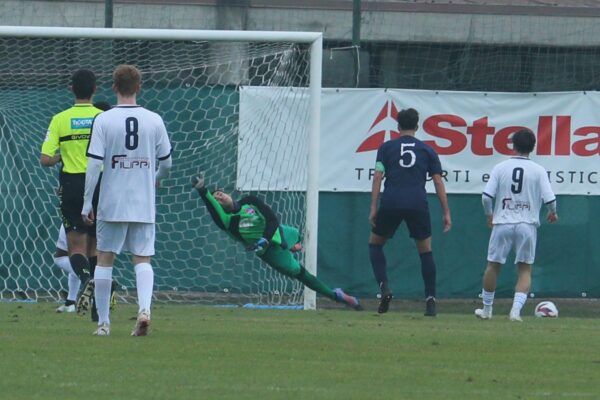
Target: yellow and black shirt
[{"x": 69, "y": 131}]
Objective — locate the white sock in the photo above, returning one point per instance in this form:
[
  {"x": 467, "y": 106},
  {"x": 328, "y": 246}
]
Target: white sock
[
  {"x": 103, "y": 281},
  {"x": 64, "y": 264},
  {"x": 74, "y": 284},
  {"x": 519, "y": 301},
  {"x": 488, "y": 300},
  {"x": 144, "y": 279}
]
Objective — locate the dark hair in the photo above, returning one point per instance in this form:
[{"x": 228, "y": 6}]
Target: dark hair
[
  {"x": 83, "y": 83},
  {"x": 408, "y": 119},
  {"x": 523, "y": 141},
  {"x": 102, "y": 105}
]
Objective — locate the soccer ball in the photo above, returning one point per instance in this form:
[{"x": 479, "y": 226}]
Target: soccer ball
[{"x": 546, "y": 309}]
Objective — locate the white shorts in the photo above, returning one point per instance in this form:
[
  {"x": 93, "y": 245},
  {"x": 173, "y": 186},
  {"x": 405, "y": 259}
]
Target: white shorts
[
  {"x": 135, "y": 237},
  {"x": 520, "y": 237},
  {"x": 61, "y": 242}
]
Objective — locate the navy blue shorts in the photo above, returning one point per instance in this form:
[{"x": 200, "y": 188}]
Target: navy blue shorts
[{"x": 389, "y": 219}]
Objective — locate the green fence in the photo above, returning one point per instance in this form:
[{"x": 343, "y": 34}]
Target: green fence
[{"x": 567, "y": 262}]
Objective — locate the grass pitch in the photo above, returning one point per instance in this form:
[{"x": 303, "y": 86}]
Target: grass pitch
[{"x": 197, "y": 352}]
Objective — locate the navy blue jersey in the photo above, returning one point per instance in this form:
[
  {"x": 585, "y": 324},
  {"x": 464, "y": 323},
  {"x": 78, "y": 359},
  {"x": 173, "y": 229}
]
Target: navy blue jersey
[{"x": 405, "y": 163}]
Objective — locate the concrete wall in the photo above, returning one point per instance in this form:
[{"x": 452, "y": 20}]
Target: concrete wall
[{"x": 335, "y": 24}]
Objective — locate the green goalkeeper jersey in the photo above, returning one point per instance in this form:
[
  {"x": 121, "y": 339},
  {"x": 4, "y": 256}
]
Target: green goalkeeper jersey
[{"x": 250, "y": 220}]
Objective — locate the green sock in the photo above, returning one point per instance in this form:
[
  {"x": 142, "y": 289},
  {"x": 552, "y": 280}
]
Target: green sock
[{"x": 315, "y": 284}]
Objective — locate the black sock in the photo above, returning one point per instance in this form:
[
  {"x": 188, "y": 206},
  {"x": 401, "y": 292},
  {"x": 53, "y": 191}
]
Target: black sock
[
  {"x": 94, "y": 313},
  {"x": 379, "y": 265},
  {"x": 80, "y": 266},
  {"x": 384, "y": 288},
  {"x": 93, "y": 261},
  {"x": 428, "y": 273}
]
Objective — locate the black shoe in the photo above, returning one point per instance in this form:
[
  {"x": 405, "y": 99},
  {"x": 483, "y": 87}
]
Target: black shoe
[
  {"x": 84, "y": 299},
  {"x": 384, "y": 303},
  {"x": 94, "y": 312},
  {"x": 430, "y": 307},
  {"x": 113, "y": 302},
  {"x": 113, "y": 295}
]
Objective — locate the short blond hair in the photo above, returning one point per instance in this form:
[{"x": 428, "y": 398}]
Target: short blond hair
[{"x": 126, "y": 79}]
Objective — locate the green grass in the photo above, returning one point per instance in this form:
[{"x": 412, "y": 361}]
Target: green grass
[{"x": 199, "y": 352}]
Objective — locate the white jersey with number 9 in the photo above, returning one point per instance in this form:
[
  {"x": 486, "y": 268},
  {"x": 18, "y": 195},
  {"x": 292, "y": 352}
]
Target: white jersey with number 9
[{"x": 519, "y": 187}]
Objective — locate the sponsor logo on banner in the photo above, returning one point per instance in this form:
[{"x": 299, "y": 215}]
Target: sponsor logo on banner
[
  {"x": 372, "y": 143},
  {"x": 555, "y": 136}
]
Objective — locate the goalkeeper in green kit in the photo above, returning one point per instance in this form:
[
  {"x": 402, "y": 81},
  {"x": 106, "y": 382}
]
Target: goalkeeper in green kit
[{"x": 254, "y": 224}]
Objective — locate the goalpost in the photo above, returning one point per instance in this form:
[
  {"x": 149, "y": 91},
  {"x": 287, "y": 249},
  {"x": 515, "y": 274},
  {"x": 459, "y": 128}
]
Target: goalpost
[{"x": 197, "y": 81}]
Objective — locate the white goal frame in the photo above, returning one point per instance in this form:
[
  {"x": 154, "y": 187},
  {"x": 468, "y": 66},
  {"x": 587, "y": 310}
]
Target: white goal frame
[{"x": 314, "y": 39}]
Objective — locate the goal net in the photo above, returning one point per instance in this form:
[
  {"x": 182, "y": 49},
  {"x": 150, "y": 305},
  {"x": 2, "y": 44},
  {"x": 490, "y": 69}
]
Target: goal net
[{"x": 196, "y": 80}]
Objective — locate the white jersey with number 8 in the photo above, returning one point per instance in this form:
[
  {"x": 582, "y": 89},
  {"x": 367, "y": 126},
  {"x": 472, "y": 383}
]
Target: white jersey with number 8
[
  {"x": 520, "y": 186},
  {"x": 129, "y": 140}
]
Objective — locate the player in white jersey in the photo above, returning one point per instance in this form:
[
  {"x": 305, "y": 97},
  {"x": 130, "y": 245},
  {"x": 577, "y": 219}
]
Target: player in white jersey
[
  {"x": 61, "y": 260},
  {"x": 519, "y": 186},
  {"x": 127, "y": 140}
]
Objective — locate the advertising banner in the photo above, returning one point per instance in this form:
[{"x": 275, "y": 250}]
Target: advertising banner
[{"x": 469, "y": 130}]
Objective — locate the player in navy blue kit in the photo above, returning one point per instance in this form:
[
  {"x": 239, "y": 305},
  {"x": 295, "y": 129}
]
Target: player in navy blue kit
[{"x": 404, "y": 163}]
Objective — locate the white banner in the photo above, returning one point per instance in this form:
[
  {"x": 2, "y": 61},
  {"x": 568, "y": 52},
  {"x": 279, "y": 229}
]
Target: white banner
[{"x": 469, "y": 130}]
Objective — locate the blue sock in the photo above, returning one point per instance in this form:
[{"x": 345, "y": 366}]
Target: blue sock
[
  {"x": 379, "y": 264},
  {"x": 428, "y": 272}
]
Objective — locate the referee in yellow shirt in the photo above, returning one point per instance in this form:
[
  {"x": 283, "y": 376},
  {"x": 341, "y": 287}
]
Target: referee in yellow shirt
[{"x": 69, "y": 134}]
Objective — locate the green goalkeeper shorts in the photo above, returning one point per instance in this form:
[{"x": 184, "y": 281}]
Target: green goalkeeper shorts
[
  {"x": 290, "y": 234},
  {"x": 282, "y": 259}
]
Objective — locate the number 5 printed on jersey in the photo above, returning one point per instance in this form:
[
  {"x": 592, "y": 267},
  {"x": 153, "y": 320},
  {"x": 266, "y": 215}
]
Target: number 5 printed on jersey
[{"x": 406, "y": 148}]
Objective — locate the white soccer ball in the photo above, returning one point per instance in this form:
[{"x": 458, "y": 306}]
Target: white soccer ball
[{"x": 546, "y": 309}]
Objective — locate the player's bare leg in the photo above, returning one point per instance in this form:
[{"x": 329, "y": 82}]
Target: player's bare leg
[
  {"x": 490, "y": 277},
  {"x": 428, "y": 272},
  {"x": 524, "y": 278},
  {"x": 521, "y": 290}
]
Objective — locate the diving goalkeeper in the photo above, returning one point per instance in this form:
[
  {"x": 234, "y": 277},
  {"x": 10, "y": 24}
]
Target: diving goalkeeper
[{"x": 254, "y": 224}]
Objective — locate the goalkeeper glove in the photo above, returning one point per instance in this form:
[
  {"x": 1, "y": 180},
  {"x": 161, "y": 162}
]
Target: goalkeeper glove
[
  {"x": 260, "y": 245},
  {"x": 198, "y": 182}
]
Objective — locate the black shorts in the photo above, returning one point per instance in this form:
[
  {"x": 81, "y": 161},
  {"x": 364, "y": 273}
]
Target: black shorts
[
  {"x": 70, "y": 194},
  {"x": 389, "y": 219}
]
